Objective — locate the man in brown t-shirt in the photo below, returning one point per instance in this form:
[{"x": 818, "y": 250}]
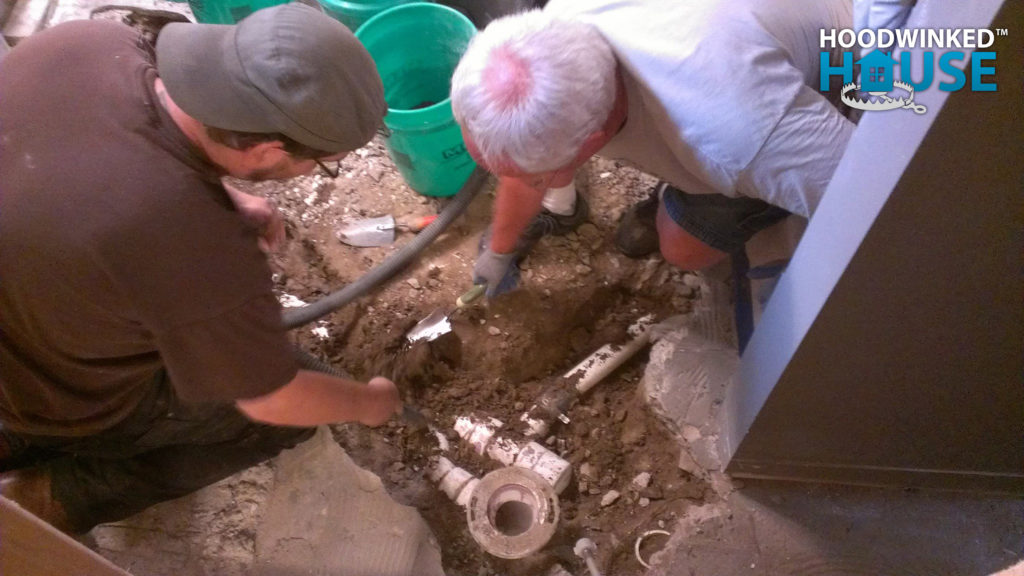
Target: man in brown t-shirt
[{"x": 141, "y": 346}]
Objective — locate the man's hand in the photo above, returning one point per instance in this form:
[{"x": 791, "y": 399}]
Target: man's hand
[
  {"x": 314, "y": 398},
  {"x": 498, "y": 271},
  {"x": 260, "y": 214},
  {"x": 384, "y": 402}
]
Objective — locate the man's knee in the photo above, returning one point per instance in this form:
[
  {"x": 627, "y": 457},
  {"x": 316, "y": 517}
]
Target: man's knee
[{"x": 682, "y": 249}]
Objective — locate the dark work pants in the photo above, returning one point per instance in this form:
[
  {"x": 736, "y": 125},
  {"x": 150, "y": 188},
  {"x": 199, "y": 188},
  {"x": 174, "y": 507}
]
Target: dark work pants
[{"x": 164, "y": 449}]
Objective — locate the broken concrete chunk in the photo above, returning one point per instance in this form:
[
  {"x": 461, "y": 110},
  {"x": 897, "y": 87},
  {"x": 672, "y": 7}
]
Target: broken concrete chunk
[
  {"x": 688, "y": 464},
  {"x": 609, "y": 498},
  {"x": 691, "y": 433},
  {"x": 558, "y": 570},
  {"x": 642, "y": 480}
]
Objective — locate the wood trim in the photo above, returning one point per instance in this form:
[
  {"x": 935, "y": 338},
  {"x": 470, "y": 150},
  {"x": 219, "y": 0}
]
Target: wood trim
[{"x": 31, "y": 547}]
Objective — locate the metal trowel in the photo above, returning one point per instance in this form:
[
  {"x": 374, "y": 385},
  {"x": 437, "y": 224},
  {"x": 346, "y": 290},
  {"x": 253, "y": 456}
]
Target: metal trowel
[
  {"x": 380, "y": 231},
  {"x": 436, "y": 323}
]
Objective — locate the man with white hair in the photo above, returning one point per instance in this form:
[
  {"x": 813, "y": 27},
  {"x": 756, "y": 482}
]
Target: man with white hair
[{"x": 718, "y": 98}]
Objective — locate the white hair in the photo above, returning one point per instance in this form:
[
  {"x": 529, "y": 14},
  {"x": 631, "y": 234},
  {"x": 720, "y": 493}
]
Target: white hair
[{"x": 569, "y": 90}]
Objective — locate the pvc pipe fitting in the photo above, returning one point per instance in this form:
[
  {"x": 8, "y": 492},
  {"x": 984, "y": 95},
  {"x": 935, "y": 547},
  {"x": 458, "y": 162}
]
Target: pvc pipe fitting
[
  {"x": 503, "y": 450},
  {"x": 477, "y": 432},
  {"x": 535, "y": 427},
  {"x": 513, "y": 512},
  {"x": 467, "y": 492},
  {"x": 550, "y": 466},
  {"x": 439, "y": 468},
  {"x": 454, "y": 481}
]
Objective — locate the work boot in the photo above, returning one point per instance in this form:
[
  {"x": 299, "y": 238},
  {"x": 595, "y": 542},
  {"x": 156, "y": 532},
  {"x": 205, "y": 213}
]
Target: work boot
[
  {"x": 637, "y": 234},
  {"x": 548, "y": 222},
  {"x": 30, "y": 488}
]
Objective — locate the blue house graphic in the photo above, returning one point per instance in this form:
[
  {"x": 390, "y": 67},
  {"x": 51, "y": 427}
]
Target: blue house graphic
[{"x": 876, "y": 72}]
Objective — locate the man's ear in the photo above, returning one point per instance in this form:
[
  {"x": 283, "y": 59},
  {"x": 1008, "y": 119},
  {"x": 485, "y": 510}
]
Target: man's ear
[{"x": 265, "y": 153}]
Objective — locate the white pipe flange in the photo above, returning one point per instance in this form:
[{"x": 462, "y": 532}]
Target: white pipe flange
[{"x": 513, "y": 512}]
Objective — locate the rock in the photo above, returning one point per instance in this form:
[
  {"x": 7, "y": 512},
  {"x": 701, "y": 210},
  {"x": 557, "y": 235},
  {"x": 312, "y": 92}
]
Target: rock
[
  {"x": 558, "y": 570},
  {"x": 518, "y": 406},
  {"x": 414, "y": 283},
  {"x": 644, "y": 502},
  {"x": 493, "y": 330},
  {"x": 691, "y": 433},
  {"x": 583, "y": 269},
  {"x": 583, "y": 486},
  {"x": 587, "y": 470},
  {"x": 688, "y": 464},
  {"x": 691, "y": 280},
  {"x": 642, "y": 480},
  {"x": 609, "y": 498},
  {"x": 588, "y": 230}
]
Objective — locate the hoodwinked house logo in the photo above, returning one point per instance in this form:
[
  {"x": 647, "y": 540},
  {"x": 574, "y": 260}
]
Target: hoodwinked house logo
[{"x": 880, "y": 88}]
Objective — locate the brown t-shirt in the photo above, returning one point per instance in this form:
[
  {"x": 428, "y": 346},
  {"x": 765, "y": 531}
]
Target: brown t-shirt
[{"x": 120, "y": 253}]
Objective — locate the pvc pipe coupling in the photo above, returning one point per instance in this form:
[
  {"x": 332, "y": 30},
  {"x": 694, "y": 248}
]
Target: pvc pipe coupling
[{"x": 481, "y": 434}]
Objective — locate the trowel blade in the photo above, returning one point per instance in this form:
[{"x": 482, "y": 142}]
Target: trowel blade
[
  {"x": 369, "y": 232},
  {"x": 434, "y": 325}
]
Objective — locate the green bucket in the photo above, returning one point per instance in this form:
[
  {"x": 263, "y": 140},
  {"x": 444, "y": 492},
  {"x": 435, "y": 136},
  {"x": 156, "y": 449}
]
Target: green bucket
[
  {"x": 353, "y": 13},
  {"x": 227, "y": 11},
  {"x": 416, "y": 47}
]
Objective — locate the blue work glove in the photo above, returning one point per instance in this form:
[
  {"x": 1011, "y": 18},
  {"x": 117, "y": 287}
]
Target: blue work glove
[{"x": 499, "y": 271}]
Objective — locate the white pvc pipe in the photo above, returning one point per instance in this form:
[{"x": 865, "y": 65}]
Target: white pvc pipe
[{"x": 607, "y": 358}]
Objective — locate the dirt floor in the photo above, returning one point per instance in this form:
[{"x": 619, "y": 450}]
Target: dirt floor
[{"x": 578, "y": 294}]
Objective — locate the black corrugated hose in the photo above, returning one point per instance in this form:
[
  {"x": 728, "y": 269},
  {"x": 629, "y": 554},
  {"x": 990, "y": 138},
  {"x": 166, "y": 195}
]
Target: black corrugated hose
[{"x": 295, "y": 317}]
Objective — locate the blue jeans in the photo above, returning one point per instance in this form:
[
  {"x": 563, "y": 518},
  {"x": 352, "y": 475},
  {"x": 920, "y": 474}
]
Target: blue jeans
[{"x": 719, "y": 221}]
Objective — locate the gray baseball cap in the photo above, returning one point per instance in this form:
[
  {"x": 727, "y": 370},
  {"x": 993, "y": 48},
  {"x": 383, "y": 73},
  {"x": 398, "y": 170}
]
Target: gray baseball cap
[{"x": 288, "y": 69}]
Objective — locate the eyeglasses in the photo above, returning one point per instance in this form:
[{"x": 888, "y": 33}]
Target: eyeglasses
[{"x": 327, "y": 170}]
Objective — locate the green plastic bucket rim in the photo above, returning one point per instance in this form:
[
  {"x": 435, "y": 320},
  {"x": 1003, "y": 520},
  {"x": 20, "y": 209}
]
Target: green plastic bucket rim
[
  {"x": 359, "y": 5},
  {"x": 401, "y": 114}
]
